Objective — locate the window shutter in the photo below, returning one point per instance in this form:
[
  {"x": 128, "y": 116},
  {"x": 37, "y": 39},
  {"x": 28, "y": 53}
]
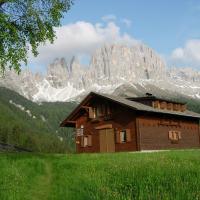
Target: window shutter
[
  {"x": 179, "y": 135},
  {"x": 91, "y": 113},
  {"x": 128, "y": 135},
  {"x": 85, "y": 141},
  {"x": 89, "y": 140},
  {"x": 118, "y": 138},
  {"x": 171, "y": 135},
  {"x": 175, "y": 135},
  {"x": 82, "y": 141}
]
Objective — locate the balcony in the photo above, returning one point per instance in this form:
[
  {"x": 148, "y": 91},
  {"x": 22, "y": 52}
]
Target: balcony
[
  {"x": 79, "y": 132},
  {"x": 108, "y": 117}
]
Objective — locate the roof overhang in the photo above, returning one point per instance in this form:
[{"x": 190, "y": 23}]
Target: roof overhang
[{"x": 70, "y": 120}]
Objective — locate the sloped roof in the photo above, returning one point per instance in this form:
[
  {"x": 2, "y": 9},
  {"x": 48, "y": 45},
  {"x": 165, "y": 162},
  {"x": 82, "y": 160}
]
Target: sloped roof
[
  {"x": 132, "y": 105},
  {"x": 153, "y": 98},
  {"x": 141, "y": 107}
]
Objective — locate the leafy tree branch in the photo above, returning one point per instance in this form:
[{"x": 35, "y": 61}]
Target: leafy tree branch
[{"x": 27, "y": 24}]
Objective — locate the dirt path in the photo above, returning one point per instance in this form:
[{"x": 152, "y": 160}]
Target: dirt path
[{"x": 42, "y": 187}]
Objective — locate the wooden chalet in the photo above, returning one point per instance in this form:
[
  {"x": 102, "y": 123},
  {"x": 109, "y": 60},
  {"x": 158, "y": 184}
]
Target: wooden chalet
[{"x": 107, "y": 123}]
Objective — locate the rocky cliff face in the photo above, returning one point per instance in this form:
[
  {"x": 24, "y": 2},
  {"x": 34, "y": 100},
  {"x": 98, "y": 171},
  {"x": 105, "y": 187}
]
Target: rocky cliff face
[
  {"x": 130, "y": 63},
  {"x": 113, "y": 68}
]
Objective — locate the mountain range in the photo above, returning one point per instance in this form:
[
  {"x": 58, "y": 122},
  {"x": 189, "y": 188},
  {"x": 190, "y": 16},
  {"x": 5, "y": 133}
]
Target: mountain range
[{"x": 119, "y": 69}]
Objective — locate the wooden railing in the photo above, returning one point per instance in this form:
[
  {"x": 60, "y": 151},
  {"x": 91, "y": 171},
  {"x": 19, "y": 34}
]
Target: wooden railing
[
  {"x": 108, "y": 117},
  {"x": 79, "y": 131}
]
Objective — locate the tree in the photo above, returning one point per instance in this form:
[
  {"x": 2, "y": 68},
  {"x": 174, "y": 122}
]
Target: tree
[{"x": 24, "y": 25}]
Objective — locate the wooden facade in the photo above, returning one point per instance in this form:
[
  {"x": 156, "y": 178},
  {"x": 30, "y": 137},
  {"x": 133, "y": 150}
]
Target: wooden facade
[
  {"x": 166, "y": 133},
  {"x": 104, "y": 123}
]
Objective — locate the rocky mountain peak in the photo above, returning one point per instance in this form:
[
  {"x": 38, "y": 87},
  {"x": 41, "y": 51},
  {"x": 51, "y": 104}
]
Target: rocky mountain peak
[
  {"x": 120, "y": 61},
  {"x": 111, "y": 67},
  {"x": 75, "y": 65}
]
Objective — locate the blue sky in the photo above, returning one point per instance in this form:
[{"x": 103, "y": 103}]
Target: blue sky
[
  {"x": 170, "y": 27},
  {"x": 161, "y": 24}
]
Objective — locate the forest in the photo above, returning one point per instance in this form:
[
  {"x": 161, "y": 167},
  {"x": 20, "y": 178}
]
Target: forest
[{"x": 34, "y": 126}]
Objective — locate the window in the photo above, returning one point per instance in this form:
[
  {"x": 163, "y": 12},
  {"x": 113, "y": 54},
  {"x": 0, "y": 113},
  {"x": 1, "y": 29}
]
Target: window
[
  {"x": 92, "y": 113},
  {"x": 156, "y": 104},
  {"x": 100, "y": 110},
  {"x": 97, "y": 111},
  {"x": 86, "y": 141},
  {"x": 107, "y": 109},
  {"x": 163, "y": 105},
  {"x": 123, "y": 136},
  {"x": 183, "y": 108},
  {"x": 169, "y": 106},
  {"x": 174, "y": 136},
  {"x": 176, "y": 107}
]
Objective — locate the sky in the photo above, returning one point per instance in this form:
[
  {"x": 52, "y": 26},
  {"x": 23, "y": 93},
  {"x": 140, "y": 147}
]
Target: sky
[{"x": 170, "y": 27}]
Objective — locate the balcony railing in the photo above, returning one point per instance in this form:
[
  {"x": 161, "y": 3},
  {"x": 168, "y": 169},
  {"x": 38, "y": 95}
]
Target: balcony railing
[
  {"x": 79, "y": 131},
  {"x": 108, "y": 117}
]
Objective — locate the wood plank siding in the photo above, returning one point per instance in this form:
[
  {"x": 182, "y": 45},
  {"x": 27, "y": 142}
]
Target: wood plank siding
[
  {"x": 154, "y": 133},
  {"x": 105, "y": 123},
  {"x": 125, "y": 120}
]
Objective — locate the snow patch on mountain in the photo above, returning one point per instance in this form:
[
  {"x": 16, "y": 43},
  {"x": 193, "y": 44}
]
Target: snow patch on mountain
[
  {"x": 43, "y": 118},
  {"x": 46, "y": 92},
  {"x": 22, "y": 108}
]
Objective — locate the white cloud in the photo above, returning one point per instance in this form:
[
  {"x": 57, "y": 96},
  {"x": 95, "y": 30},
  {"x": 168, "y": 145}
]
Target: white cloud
[
  {"x": 127, "y": 22},
  {"x": 108, "y": 18},
  {"x": 178, "y": 53},
  {"x": 80, "y": 38},
  {"x": 187, "y": 55}
]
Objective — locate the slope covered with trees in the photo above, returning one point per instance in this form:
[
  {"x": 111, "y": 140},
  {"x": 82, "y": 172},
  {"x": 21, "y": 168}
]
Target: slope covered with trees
[{"x": 34, "y": 126}]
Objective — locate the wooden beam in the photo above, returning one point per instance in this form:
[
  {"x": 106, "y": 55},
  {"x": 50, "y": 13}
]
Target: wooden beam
[
  {"x": 73, "y": 122},
  {"x": 86, "y": 107},
  {"x": 138, "y": 137},
  {"x": 104, "y": 126}
]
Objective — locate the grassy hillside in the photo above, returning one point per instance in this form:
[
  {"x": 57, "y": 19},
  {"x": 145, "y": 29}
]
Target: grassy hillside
[
  {"x": 158, "y": 175},
  {"x": 34, "y": 126}
]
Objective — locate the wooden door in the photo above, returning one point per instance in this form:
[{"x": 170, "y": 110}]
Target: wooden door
[
  {"x": 102, "y": 140},
  {"x": 107, "y": 143}
]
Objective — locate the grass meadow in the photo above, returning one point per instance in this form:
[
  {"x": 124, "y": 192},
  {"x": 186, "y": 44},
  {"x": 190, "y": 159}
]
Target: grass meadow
[{"x": 159, "y": 175}]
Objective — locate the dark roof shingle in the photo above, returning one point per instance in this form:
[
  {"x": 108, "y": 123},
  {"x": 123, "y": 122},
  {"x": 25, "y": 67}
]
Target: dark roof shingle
[
  {"x": 132, "y": 105},
  {"x": 141, "y": 107}
]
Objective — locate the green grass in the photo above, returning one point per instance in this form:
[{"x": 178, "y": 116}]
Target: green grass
[{"x": 158, "y": 175}]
